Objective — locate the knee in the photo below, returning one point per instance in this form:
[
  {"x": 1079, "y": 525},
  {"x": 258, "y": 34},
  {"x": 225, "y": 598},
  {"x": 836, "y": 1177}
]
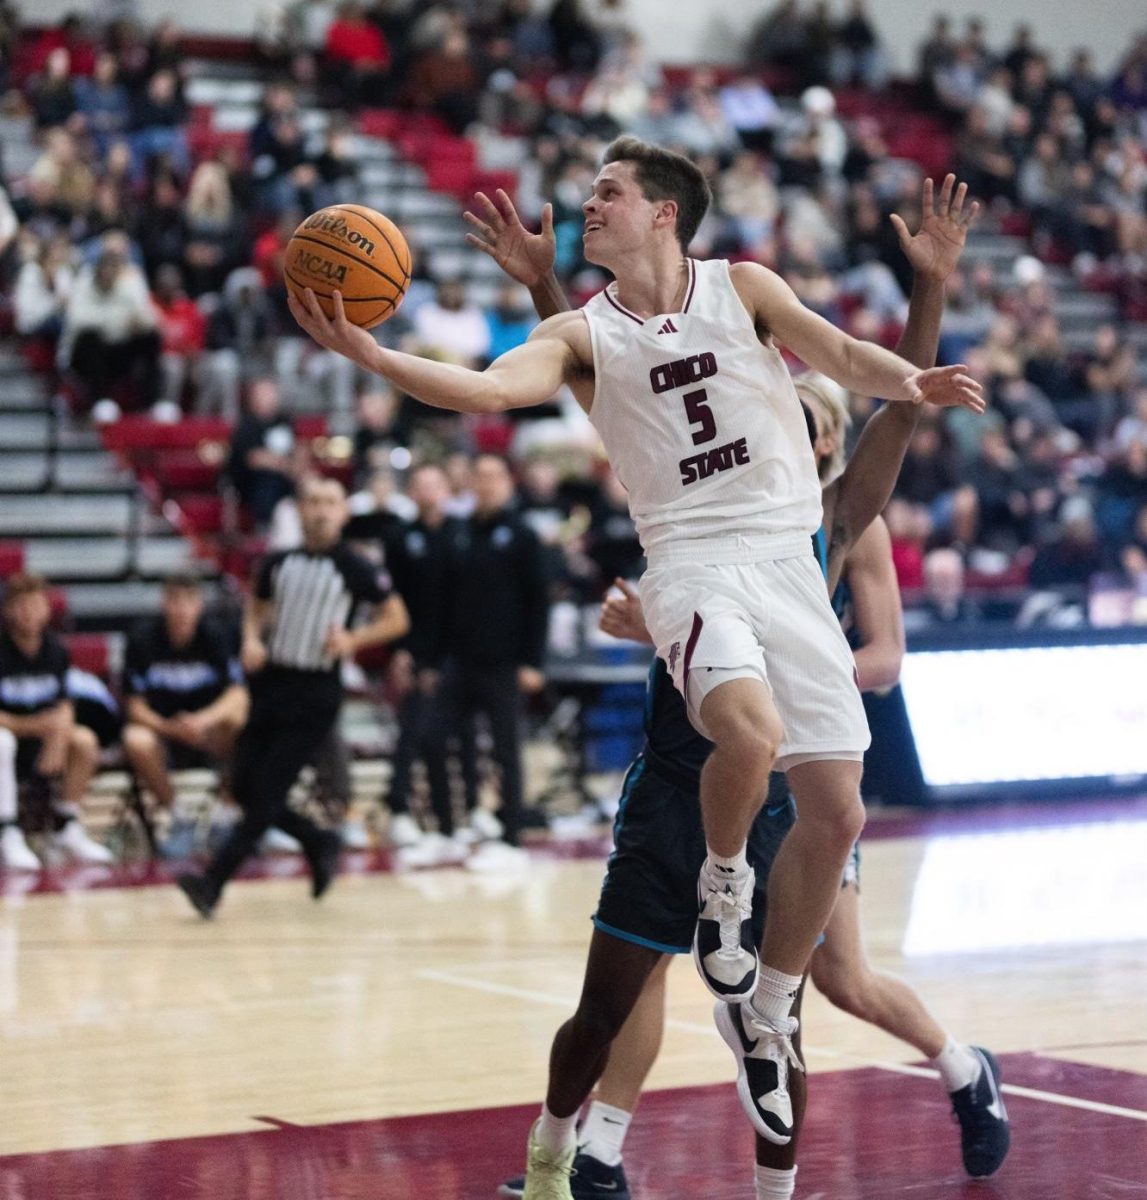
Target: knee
[
  {"x": 837, "y": 823},
  {"x": 597, "y": 1024},
  {"x": 84, "y": 745},
  {"x": 139, "y": 741},
  {"x": 752, "y": 739}
]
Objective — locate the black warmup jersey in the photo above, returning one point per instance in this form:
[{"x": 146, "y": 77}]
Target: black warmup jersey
[
  {"x": 31, "y": 685},
  {"x": 314, "y": 593},
  {"x": 180, "y": 679},
  {"x": 418, "y": 556}
]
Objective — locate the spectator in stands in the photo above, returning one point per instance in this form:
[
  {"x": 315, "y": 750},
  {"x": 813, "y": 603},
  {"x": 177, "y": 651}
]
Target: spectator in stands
[
  {"x": 157, "y": 121},
  {"x": 509, "y": 320},
  {"x": 1073, "y": 555},
  {"x": 71, "y": 35},
  {"x": 214, "y": 230},
  {"x": 111, "y": 338},
  {"x": 493, "y": 641},
  {"x": 445, "y": 81},
  {"x": 1133, "y": 553},
  {"x": 60, "y": 182},
  {"x": 104, "y": 104},
  {"x": 186, "y": 700},
  {"x": 576, "y": 40},
  {"x": 43, "y": 286},
  {"x": 857, "y": 58},
  {"x": 183, "y": 329},
  {"x": 452, "y": 328},
  {"x": 752, "y": 110},
  {"x": 930, "y": 477},
  {"x": 611, "y": 542},
  {"x": 747, "y": 195},
  {"x": 163, "y": 236},
  {"x": 284, "y": 174},
  {"x": 945, "y": 602},
  {"x": 374, "y": 436},
  {"x": 782, "y": 39},
  {"x": 357, "y": 56},
  {"x": 261, "y": 464},
  {"x": 40, "y": 743},
  {"x": 53, "y": 93},
  {"x": 701, "y": 126},
  {"x": 957, "y": 80},
  {"x": 239, "y": 341}
]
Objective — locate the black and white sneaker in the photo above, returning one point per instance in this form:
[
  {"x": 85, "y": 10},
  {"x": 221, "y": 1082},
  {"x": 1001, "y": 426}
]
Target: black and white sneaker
[
  {"x": 591, "y": 1180},
  {"x": 723, "y": 945},
  {"x": 985, "y": 1133},
  {"x": 764, "y": 1054}
]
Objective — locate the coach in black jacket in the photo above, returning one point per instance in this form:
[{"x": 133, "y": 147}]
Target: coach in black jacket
[{"x": 494, "y": 630}]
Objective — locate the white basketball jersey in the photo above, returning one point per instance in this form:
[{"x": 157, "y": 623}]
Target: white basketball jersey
[{"x": 702, "y": 425}]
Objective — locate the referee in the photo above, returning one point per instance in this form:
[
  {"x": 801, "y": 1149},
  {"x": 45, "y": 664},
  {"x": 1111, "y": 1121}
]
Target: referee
[{"x": 296, "y": 631}]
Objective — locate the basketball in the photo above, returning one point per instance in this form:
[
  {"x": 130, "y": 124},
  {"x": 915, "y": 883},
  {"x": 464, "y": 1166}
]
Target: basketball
[{"x": 354, "y": 250}]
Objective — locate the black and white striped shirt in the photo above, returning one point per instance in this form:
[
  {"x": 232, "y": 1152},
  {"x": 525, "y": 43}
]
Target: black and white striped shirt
[{"x": 313, "y": 593}]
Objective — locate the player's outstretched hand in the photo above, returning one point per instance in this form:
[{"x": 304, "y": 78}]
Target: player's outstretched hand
[
  {"x": 935, "y": 249},
  {"x": 621, "y": 616},
  {"x": 946, "y": 387},
  {"x": 335, "y": 333},
  {"x": 526, "y": 257}
]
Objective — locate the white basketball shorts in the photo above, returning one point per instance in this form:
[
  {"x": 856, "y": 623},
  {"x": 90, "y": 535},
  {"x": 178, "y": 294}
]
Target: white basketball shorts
[{"x": 769, "y": 620}]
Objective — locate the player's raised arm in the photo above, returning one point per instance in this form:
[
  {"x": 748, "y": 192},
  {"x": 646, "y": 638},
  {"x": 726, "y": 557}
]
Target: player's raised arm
[
  {"x": 527, "y": 375},
  {"x": 859, "y": 366},
  {"x": 528, "y": 258},
  {"x": 934, "y": 251}
]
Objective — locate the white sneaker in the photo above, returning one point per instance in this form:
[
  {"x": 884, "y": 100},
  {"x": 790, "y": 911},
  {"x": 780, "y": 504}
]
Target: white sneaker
[
  {"x": 275, "y": 841},
  {"x": 485, "y": 825},
  {"x": 105, "y": 412},
  {"x": 15, "y": 853},
  {"x": 494, "y": 858},
  {"x": 356, "y": 836},
  {"x": 74, "y": 839},
  {"x": 404, "y": 830},
  {"x": 432, "y": 850}
]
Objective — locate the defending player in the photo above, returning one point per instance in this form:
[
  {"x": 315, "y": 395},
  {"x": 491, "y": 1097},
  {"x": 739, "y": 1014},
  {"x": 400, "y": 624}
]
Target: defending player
[
  {"x": 723, "y": 490},
  {"x": 645, "y": 899}
]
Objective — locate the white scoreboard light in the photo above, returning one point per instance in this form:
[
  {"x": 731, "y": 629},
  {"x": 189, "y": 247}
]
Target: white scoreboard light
[{"x": 996, "y": 717}]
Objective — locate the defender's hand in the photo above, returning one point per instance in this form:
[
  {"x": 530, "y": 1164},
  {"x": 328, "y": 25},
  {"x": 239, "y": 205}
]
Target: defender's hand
[
  {"x": 526, "y": 257},
  {"x": 936, "y": 247},
  {"x": 621, "y": 616}
]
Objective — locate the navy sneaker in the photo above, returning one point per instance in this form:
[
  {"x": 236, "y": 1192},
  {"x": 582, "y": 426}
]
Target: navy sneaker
[
  {"x": 723, "y": 945},
  {"x": 764, "y": 1054},
  {"x": 985, "y": 1133},
  {"x": 203, "y": 895},
  {"x": 591, "y": 1180}
]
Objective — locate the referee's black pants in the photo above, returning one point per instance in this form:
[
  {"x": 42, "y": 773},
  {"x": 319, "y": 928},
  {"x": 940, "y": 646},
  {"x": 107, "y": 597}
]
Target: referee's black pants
[
  {"x": 418, "y": 738},
  {"x": 466, "y": 690},
  {"x": 292, "y": 713}
]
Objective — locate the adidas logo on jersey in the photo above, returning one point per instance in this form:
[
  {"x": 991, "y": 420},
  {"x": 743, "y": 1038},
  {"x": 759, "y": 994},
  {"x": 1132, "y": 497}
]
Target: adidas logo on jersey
[{"x": 668, "y": 327}]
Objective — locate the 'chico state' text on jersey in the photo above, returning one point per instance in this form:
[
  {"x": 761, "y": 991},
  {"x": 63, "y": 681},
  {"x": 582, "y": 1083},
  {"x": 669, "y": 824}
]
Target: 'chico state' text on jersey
[{"x": 701, "y": 421}]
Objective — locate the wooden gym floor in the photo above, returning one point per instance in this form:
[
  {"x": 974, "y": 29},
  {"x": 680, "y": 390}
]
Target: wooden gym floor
[{"x": 391, "y": 1041}]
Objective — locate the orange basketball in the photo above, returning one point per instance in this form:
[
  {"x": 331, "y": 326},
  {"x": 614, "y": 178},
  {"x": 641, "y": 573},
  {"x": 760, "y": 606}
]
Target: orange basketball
[{"x": 353, "y": 250}]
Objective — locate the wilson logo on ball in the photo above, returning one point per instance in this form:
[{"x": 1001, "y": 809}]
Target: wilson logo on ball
[
  {"x": 321, "y": 267},
  {"x": 337, "y": 227}
]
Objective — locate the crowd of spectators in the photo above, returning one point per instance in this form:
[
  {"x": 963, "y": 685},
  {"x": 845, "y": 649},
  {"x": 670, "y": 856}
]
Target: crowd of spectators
[{"x": 1051, "y": 487}]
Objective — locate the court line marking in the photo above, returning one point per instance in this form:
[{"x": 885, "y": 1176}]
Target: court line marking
[{"x": 1012, "y": 1089}]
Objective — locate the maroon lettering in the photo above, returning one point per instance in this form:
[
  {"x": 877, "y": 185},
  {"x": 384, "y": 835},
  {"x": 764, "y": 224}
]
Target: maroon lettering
[
  {"x": 682, "y": 372},
  {"x": 711, "y": 462}
]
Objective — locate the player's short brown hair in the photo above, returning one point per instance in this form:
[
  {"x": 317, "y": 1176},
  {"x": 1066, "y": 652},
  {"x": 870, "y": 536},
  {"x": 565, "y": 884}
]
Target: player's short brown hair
[
  {"x": 664, "y": 175},
  {"x": 23, "y": 584}
]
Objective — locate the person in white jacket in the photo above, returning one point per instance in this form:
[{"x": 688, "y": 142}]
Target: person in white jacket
[
  {"x": 111, "y": 333},
  {"x": 43, "y": 285}
]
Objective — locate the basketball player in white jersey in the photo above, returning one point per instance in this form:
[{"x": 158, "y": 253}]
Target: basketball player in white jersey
[{"x": 677, "y": 365}]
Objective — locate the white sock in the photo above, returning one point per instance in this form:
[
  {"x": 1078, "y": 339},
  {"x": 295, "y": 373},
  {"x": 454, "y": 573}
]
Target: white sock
[
  {"x": 957, "y": 1065},
  {"x": 774, "y": 995},
  {"x": 724, "y": 868},
  {"x": 775, "y": 1185},
  {"x": 556, "y": 1134},
  {"x": 603, "y": 1132}
]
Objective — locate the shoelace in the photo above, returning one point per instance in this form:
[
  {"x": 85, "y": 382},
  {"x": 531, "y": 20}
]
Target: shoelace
[
  {"x": 778, "y": 1043},
  {"x": 729, "y": 924}
]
